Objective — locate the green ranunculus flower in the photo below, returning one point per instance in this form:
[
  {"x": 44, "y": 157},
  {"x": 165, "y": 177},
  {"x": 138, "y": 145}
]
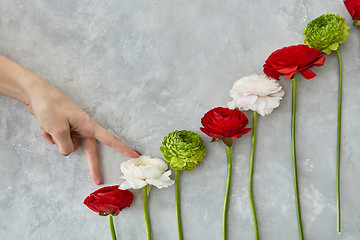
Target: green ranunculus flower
[
  {"x": 326, "y": 32},
  {"x": 183, "y": 150}
]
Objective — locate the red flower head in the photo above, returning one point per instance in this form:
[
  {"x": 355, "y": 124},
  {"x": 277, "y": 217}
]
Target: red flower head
[
  {"x": 353, "y": 7},
  {"x": 224, "y": 123},
  {"x": 109, "y": 200},
  {"x": 293, "y": 59}
]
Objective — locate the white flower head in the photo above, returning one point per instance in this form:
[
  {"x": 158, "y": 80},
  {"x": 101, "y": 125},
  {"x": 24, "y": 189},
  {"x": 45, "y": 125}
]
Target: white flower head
[
  {"x": 258, "y": 93},
  {"x": 138, "y": 172}
]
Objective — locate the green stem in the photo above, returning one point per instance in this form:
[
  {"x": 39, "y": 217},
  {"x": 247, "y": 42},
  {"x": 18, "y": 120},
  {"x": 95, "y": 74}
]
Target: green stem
[
  {"x": 338, "y": 146},
  {"x": 177, "y": 201},
  {"x": 251, "y": 171},
  {"x": 146, "y": 214},
  {"x": 293, "y": 152},
  {"x": 227, "y": 189},
  {"x": 112, "y": 229}
]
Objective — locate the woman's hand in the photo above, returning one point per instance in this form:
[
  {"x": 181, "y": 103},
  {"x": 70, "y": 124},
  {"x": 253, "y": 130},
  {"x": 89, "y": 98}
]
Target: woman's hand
[{"x": 61, "y": 121}]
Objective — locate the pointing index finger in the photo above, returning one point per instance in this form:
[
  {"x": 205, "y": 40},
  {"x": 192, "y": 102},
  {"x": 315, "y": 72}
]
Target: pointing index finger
[{"x": 112, "y": 141}]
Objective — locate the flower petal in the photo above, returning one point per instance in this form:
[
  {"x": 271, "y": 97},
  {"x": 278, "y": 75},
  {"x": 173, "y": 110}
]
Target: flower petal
[
  {"x": 307, "y": 73},
  {"x": 163, "y": 181},
  {"x": 292, "y": 59},
  {"x": 125, "y": 185},
  {"x": 135, "y": 183}
]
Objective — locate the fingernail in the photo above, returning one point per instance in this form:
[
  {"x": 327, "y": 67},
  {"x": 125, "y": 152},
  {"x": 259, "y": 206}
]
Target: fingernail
[
  {"x": 66, "y": 155},
  {"x": 138, "y": 152}
]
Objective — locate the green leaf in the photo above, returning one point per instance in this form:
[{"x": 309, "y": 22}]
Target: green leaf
[
  {"x": 356, "y": 22},
  {"x": 228, "y": 142}
]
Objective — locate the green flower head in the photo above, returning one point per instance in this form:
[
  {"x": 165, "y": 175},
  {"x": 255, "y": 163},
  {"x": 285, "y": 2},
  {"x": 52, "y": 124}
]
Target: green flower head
[
  {"x": 183, "y": 150},
  {"x": 326, "y": 32}
]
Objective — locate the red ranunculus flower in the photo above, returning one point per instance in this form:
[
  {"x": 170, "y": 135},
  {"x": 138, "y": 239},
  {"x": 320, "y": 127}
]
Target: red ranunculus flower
[
  {"x": 109, "y": 200},
  {"x": 293, "y": 59},
  {"x": 353, "y": 7},
  {"x": 224, "y": 123}
]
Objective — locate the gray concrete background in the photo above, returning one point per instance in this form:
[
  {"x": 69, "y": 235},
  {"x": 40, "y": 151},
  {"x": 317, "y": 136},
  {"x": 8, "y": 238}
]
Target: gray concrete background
[{"x": 142, "y": 69}]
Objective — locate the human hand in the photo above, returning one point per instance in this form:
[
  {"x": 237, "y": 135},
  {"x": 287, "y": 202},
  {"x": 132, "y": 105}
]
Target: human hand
[{"x": 63, "y": 123}]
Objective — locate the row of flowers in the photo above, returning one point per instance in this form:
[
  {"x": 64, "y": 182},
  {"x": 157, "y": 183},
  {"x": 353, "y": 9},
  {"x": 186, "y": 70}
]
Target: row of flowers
[{"x": 185, "y": 150}]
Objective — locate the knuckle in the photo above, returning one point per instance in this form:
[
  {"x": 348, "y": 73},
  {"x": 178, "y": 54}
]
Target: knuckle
[
  {"x": 82, "y": 118},
  {"x": 86, "y": 125},
  {"x": 65, "y": 151},
  {"x": 58, "y": 131},
  {"x": 43, "y": 133},
  {"x": 113, "y": 140}
]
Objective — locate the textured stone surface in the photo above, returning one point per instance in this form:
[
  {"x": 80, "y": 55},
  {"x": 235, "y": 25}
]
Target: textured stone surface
[{"x": 143, "y": 69}]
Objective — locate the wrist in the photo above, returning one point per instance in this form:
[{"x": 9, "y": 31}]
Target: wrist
[
  {"x": 32, "y": 85},
  {"x": 17, "y": 82}
]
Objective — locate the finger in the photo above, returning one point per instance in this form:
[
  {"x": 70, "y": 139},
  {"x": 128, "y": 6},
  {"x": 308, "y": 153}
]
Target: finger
[
  {"x": 91, "y": 153},
  {"x": 46, "y": 136},
  {"x": 29, "y": 109},
  {"x": 75, "y": 142},
  {"x": 62, "y": 138},
  {"x": 112, "y": 141}
]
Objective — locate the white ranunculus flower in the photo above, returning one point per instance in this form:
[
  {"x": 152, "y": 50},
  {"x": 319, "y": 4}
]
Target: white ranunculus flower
[
  {"x": 258, "y": 93},
  {"x": 138, "y": 172}
]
